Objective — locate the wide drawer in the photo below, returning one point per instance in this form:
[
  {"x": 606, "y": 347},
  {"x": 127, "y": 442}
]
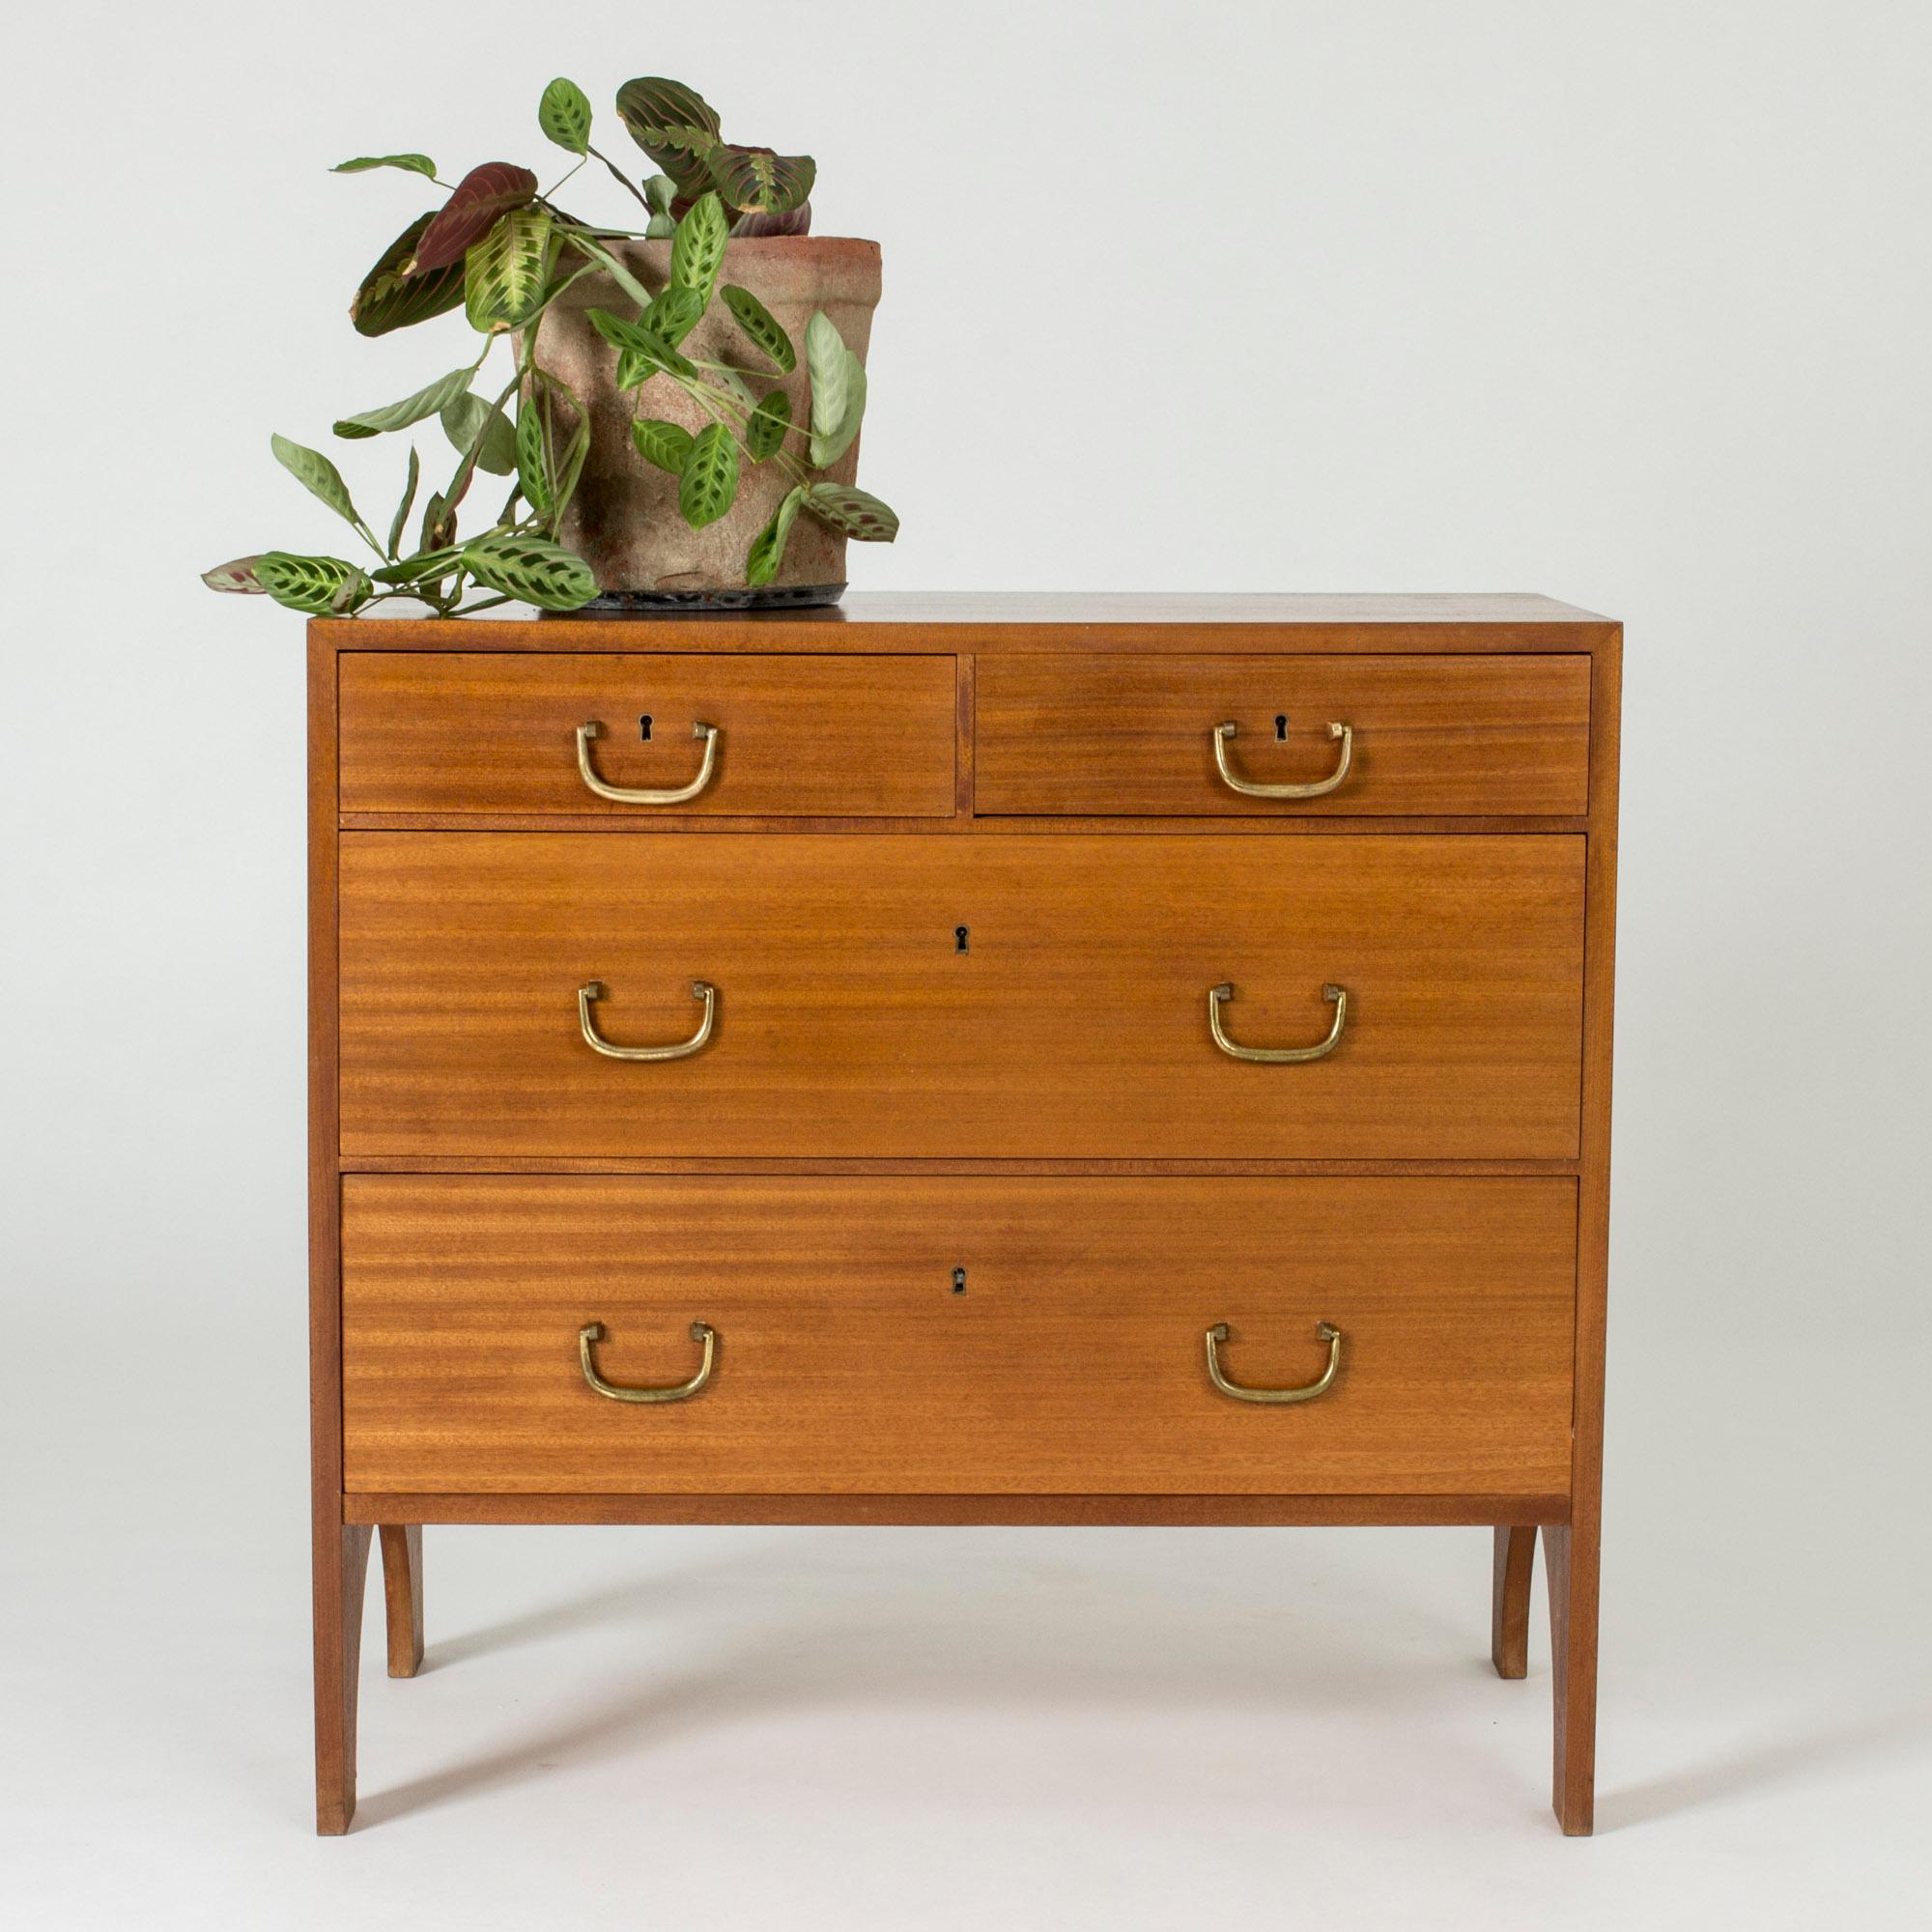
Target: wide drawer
[
  {"x": 496, "y": 733},
  {"x": 1107, "y": 735},
  {"x": 1019, "y": 997},
  {"x": 851, "y": 1355}
]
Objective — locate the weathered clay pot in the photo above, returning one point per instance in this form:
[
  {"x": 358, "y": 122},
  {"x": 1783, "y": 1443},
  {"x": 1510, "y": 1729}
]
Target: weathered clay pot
[{"x": 624, "y": 520}]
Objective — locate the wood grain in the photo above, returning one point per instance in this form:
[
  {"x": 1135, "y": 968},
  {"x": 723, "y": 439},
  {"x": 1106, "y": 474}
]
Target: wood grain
[
  {"x": 848, "y": 1024},
  {"x": 1515, "y": 1565},
  {"x": 847, "y": 1362},
  {"x": 1098, "y": 734},
  {"x": 403, "y": 1596},
  {"x": 473, "y": 733}
]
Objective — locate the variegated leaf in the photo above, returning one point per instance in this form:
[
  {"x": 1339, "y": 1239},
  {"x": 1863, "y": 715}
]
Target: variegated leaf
[
  {"x": 851, "y": 513},
  {"x": 710, "y": 480},
  {"x": 759, "y": 182},
  {"x": 506, "y": 273},
  {"x": 698, "y": 248},
  {"x": 674, "y": 126},
  {"x": 238, "y": 578},
  {"x": 472, "y": 210},
  {"x": 425, "y": 403},
  {"x": 673, "y": 314},
  {"x": 420, "y": 568},
  {"x": 531, "y": 568},
  {"x": 761, "y": 325},
  {"x": 667, "y": 445},
  {"x": 793, "y": 222},
  {"x": 417, "y": 164},
  {"x": 641, "y": 355},
  {"x": 564, "y": 115},
  {"x": 765, "y": 432},
  {"x": 390, "y": 299},
  {"x": 317, "y": 474},
  {"x": 768, "y": 547},
  {"x": 322, "y": 586}
]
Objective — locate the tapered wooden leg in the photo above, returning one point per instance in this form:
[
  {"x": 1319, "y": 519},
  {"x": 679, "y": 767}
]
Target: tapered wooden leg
[
  {"x": 403, "y": 1595},
  {"x": 1509, "y": 1599},
  {"x": 341, "y": 1571},
  {"x": 1572, "y": 1568}
]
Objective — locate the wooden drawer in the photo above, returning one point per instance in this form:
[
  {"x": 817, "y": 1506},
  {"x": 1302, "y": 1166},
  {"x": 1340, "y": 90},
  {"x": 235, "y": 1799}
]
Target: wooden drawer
[
  {"x": 850, "y": 1023},
  {"x": 495, "y": 732},
  {"x": 1072, "y": 1362},
  {"x": 1107, "y": 734}
]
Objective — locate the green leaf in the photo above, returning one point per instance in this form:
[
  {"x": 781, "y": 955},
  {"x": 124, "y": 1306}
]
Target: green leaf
[
  {"x": 710, "y": 479},
  {"x": 851, "y": 513},
  {"x": 532, "y": 473},
  {"x": 736, "y": 388},
  {"x": 673, "y": 314},
  {"x": 439, "y": 523},
  {"x": 389, "y": 298},
  {"x": 660, "y": 191},
  {"x": 425, "y": 403},
  {"x": 420, "y": 568},
  {"x": 531, "y": 568},
  {"x": 768, "y": 547},
  {"x": 314, "y": 471},
  {"x": 417, "y": 164},
  {"x": 765, "y": 433},
  {"x": 755, "y": 180},
  {"x": 238, "y": 578},
  {"x": 612, "y": 268},
  {"x": 324, "y": 587},
  {"x": 838, "y": 391},
  {"x": 698, "y": 248},
  {"x": 761, "y": 325},
  {"x": 467, "y": 416},
  {"x": 402, "y": 508},
  {"x": 564, "y": 115},
  {"x": 470, "y": 214},
  {"x": 641, "y": 355},
  {"x": 675, "y": 125},
  {"x": 667, "y": 445},
  {"x": 506, "y": 273}
]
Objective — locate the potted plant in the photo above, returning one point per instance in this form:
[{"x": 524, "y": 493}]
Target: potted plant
[{"x": 680, "y": 413}]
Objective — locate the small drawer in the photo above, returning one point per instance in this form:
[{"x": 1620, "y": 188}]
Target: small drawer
[
  {"x": 1394, "y": 736},
  {"x": 480, "y": 734},
  {"x": 954, "y": 1335},
  {"x": 869, "y": 995}
]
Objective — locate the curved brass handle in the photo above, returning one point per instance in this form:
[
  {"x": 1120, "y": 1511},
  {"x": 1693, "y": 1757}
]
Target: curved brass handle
[
  {"x": 1307, "y": 1392},
  {"x": 1277, "y": 1056},
  {"x": 700, "y": 990},
  {"x": 620, "y": 796},
  {"x": 593, "y": 1331},
  {"x": 1222, "y": 735}
]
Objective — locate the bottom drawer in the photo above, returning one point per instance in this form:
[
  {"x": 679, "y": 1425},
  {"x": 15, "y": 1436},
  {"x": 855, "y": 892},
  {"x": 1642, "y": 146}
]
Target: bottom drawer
[{"x": 850, "y": 1354}]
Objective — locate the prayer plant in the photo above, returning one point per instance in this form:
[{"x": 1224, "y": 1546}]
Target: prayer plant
[{"x": 501, "y": 250}]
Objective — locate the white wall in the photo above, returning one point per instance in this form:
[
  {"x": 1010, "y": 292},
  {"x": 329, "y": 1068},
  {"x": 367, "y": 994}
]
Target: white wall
[{"x": 1627, "y": 303}]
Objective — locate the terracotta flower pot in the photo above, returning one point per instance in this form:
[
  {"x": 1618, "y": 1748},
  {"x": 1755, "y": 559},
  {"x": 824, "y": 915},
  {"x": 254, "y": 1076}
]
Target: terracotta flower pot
[{"x": 624, "y": 519}]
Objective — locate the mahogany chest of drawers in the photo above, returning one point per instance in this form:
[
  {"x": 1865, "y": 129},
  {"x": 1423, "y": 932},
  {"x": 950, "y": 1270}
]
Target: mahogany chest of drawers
[{"x": 963, "y": 1060}]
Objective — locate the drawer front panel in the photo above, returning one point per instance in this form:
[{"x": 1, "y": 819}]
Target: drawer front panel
[
  {"x": 850, "y": 1023},
  {"x": 1118, "y": 735},
  {"x": 1072, "y": 1362},
  {"x": 495, "y": 732}
]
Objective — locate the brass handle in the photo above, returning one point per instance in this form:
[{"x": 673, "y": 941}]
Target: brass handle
[
  {"x": 621, "y": 795},
  {"x": 1277, "y": 1056},
  {"x": 1307, "y": 1392},
  {"x": 700, "y": 990},
  {"x": 593, "y": 1331},
  {"x": 1223, "y": 734}
]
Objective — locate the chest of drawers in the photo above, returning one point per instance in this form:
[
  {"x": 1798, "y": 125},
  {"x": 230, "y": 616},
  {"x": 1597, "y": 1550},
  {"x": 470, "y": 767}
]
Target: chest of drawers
[{"x": 963, "y": 1060}]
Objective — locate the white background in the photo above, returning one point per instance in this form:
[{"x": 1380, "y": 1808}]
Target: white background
[{"x": 1626, "y": 303}]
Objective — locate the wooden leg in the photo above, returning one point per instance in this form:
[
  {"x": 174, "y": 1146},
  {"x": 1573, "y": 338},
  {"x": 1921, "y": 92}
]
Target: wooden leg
[
  {"x": 1509, "y": 1599},
  {"x": 1572, "y": 1568},
  {"x": 403, "y": 1595},
  {"x": 341, "y": 1570}
]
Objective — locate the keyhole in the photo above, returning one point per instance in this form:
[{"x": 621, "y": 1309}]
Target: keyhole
[
  {"x": 645, "y": 727},
  {"x": 958, "y": 1281},
  {"x": 961, "y": 934},
  {"x": 1280, "y": 727}
]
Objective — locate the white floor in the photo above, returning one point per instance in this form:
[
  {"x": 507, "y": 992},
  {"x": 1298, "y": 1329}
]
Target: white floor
[{"x": 928, "y": 1728}]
